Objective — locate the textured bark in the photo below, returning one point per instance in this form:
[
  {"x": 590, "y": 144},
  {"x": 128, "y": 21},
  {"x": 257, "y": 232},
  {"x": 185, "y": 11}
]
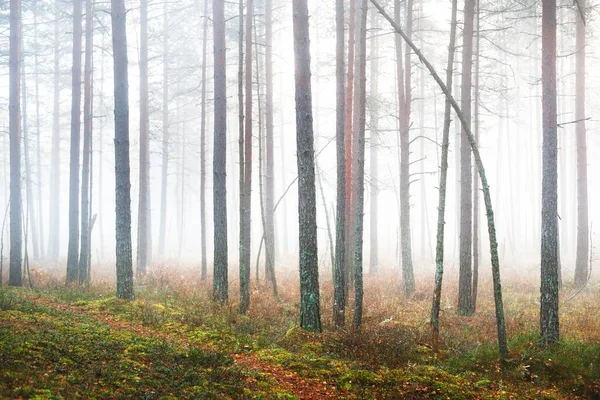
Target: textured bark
[
  {"x": 220, "y": 284},
  {"x": 374, "y": 143},
  {"x": 465, "y": 279},
  {"x": 242, "y": 201},
  {"x": 549, "y": 330},
  {"x": 339, "y": 285},
  {"x": 144, "y": 237},
  {"x": 54, "y": 211},
  {"x": 475, "y": 180},
  {"x": 310, "y": 313},
  {"x": 581, "y": 261},
  {"x": 204, "y": 262},
  {"x": 15, "y": 277},
  {"x": 122, "y": 173},
  {"x": 360, "y": 94},
  {"x": 72, "y": 255},
  {"x": 165, "y": 138},
  {"x": 84, "y": 254},
  {"x": 441, "y": 222}
]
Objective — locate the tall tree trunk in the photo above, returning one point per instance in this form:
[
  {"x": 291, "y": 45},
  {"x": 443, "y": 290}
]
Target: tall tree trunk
[
  {"x": 374, "y": 143},
  {"x": 72, "y": 255},
  {"x": 549, "y": 325},
  {"x": 475, "y": 180},
  {"x": 204, "y": 262},
  {"x": 144, "y": 236},
  {"x": 439, "y": 248},
  {"x": 361, "y": 56},
  {"x": 84, "y": 261},
  {"x": 465, "y": 280},
  {"x": 165, "y": 138},
  {"x": 220, "y": 284},
  {"x": 270, "y": 152},
  {"x": 242, "y": 201},
  {"x": 15, "y": 277},
  {"x": 310, "y": 313},
  {"x": 581, "y": 261},
  {"x": 122, "y": 173},
  {"x": 339, "y": 284},
  {"x": 38, "y": 147},
  {"x": 54, "y": 211}
]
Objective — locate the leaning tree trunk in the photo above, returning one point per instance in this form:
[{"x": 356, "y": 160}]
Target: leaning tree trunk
[
  {"x": 15, "y": 277},
  {"x": 220, "y": 285},
  {"x": 310, "y": 313},
  {"x": 122, "y": 173},
  {"x": 204, "y": 262},
  {"x": 72, "y": 255},
  {"x": 549, "y": 325},
  {"x": 581, "y": 262}
]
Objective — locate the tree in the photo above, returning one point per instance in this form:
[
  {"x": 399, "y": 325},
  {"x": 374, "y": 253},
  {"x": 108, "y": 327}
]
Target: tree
[
  {"x": 220, "y": 155},
  {"x": 122, "y": 173},
  {"x": 310, "y": 313},
  {"x": 84, "y": 254},
  {"x": 204, "y": 262},
  {"x": 339, "y": 275},
  {"x": 581, "y": 262},
  {"x": 72, "y": 255},
  {"x": 549, "y": 324},
  {"x": 465, "y": 280},
  {"x": 16, "y": 213},
  {"x": 144, "y": 239},
  {"x": 165, "y": 138},
  {"x": 374, "y": 143}
]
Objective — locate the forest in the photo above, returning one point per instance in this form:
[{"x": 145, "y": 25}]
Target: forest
[{"x": 305, "y": 199}]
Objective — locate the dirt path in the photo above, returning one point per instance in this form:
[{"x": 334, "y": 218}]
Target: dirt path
[{"x": 288, "y": 381}]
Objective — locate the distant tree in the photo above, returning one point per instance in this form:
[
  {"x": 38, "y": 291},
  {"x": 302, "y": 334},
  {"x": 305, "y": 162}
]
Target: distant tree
[
  {"x": 162, "y": 232},
  {"x": 73, "y": 250},
  {"x": 310, "y": 313},
  {"x": 549, "y": 330},
  {"x": 374, "y": 143},
  {"x": 122, "y": 173},
  {"x": 204, "y": 262},
  {"x": 16, "y": 213},
  {"x": 219, "y": 155}
]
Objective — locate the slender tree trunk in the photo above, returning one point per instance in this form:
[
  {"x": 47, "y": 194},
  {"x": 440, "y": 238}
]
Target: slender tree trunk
[
  {"x": 581, "y": 262},
  {"x": 475, "y": 180},
  {"x": 241, "y": 155},
  {"x": 204, "y": 262},
  {"x": 144, "y": 237},
  {"x": 165, "y": 138},
  {"x": 374, "y": 143},
  {"x": 84, "y": 262},
  {"x": 439, "y": 248},
  {"x": 339, "y": 284},
  {"x": 101, "y": 160},
  {"x": 72, "y": 255},
  {"x": 15, "y": 277},
  {"x": 220, "y": 284},
  {"x": 549, "y": 325},
  {"x": 122, "y": 173},
  {"x": 310, "y": 313},
  {"x": 38, "y": 146}
]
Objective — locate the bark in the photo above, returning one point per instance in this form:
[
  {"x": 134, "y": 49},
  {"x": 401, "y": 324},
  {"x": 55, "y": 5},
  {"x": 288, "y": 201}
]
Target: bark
[
  {"x": 15, "y": 277},
  {"x": 144, "y": 237},
  {"x": 339, "y": 276},
  {"x": 549, "y": 323},
  {"x": 204, "y": 262},
  {"x": 465, "y": 279},
  {"x": 122, "y": 173},
  {"x": 84, "y": 260},
  {"x": 220, "y": 284},
  {"x": 374, "y": 142},
  {"x": 241, "y": 155},
  {"x": 165, "y": 138},
  {"x": 582, "y": 256},
  {"x": 360, "y": 171},
  {"x": 500, "y": 324},
  {"x": 310, "y": 314},
  {"x": 439, "y": 248},
  {"x": 475, "y": 181},
  {"x": 72, "y": 255},
  {"x": 54, "y": 211}
]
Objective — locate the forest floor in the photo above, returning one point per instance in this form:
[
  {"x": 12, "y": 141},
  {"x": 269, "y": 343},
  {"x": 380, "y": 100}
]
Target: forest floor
[{"x": 173, "y": 342}]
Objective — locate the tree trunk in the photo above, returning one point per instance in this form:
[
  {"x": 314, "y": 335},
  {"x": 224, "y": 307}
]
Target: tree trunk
[
  {"x": 310, "y": 313},
  {"x": 439, "y": 248},
  {"x": 204, "y": 262},
  {"x": 16, "y": 213},
  {"x": 581, "y": 262},
  {"x": 465, "y": 279},
  {"x": 475, "y": 180},
  {"x": 165, "y": 138},
  {"x": 38, "y": 150},
  {"x": 84, "y": 261},
  {"x": 374, "y": 143},
  {"x": 72, "y": 255},
  {"x": 242, "y": 197},
  {"x": 122, "y": 173},
  {"x": 144, "y": 237},
  {"x": 220, "y": 285},
  {"x": 549, "y": 330},
  {"x": 339, "y": 284},
  {"x": 54, "y": 211}
]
